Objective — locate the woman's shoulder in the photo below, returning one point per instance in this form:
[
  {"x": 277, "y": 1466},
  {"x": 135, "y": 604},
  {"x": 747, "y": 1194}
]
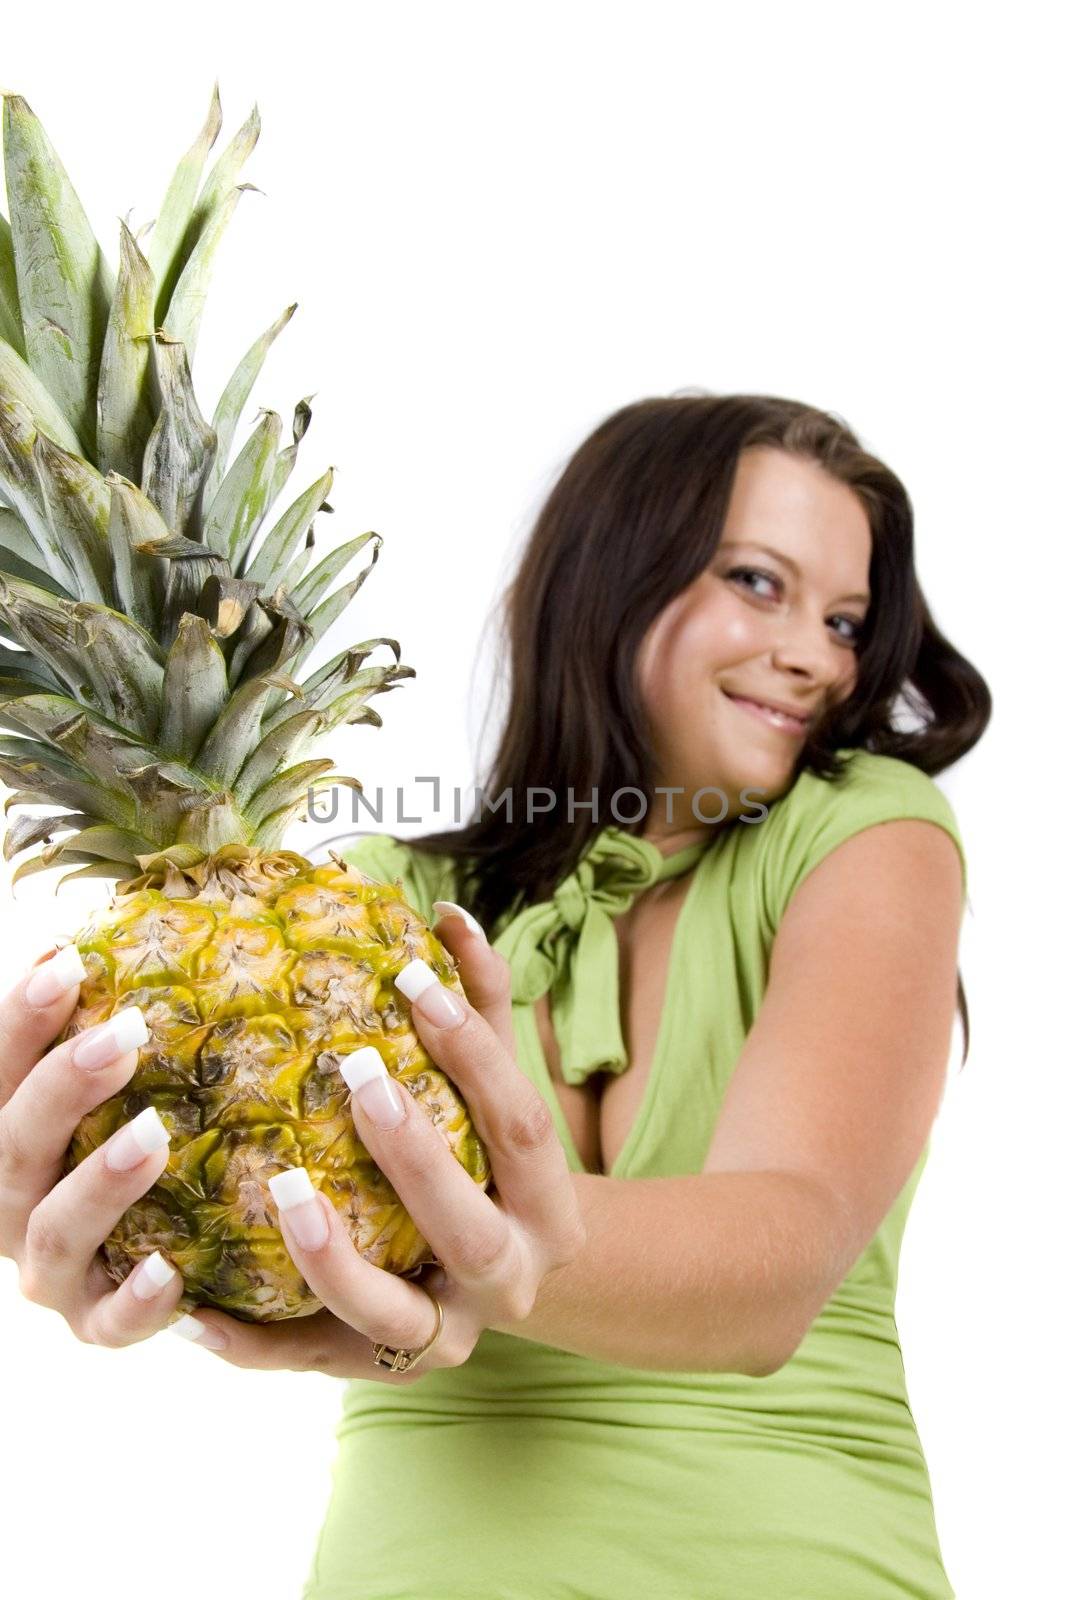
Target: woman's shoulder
[
  {"x": 868, "y": 780},
  {"x": 817, "y": 814},
  {"x": 423, "y": 878}
]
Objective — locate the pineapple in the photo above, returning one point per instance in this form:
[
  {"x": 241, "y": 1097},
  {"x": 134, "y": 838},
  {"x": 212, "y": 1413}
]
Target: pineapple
[{"x": 151, "y": 679}]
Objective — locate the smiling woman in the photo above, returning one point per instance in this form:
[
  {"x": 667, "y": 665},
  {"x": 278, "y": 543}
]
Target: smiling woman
[
  {"x": 741, "y": 656},
  {"x": 739, "y": 1029}
]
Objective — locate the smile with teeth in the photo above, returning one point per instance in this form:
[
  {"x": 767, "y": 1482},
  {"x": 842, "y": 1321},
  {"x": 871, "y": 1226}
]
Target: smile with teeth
[{"x": 776, "y": 719}]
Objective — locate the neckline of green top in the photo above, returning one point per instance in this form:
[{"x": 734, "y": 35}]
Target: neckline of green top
[{"x": 568, "y": 944}]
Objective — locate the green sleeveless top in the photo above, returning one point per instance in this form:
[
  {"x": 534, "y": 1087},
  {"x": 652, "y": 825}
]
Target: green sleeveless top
[{"x": 531, "y": 1473}]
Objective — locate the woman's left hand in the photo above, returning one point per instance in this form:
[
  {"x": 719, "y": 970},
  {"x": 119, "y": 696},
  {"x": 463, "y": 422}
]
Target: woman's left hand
[{"x": 492, "y": 1252}]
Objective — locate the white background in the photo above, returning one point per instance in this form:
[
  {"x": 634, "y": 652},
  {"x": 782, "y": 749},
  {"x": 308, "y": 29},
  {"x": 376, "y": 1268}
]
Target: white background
[{"x": 501, "y": 224}]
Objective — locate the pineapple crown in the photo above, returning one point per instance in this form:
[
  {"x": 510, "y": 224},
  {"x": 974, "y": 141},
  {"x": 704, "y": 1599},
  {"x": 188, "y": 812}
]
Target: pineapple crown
[{"x": 154, "y": 629}]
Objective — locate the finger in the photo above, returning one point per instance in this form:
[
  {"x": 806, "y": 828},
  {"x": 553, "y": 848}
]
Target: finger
[
  {"x": 65, "y": 1230},
  {"x": 39, "y": 1119},
  {"x": 529, "y": 1166},
  {"x": 319, "y": 1343},
  {"x": 34, "y": 1011},
  {"x": 381, "y": 1305},
  {"x": 471, "y": 1236},
  {"x": 373, "y": 1305},
  {"x": 141, "y": 1306},
  {"x": 484, "y": 972}
]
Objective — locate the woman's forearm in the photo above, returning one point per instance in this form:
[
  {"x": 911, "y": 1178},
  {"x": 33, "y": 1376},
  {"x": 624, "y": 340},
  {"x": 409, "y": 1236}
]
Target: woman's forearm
[{"x": 718, "y": 1272}]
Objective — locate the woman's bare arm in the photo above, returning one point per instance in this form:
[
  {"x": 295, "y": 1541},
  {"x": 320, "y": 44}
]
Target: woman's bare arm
[
  {"x": 827, "y": 1111},
  {"x": 693, "y": 1274}
]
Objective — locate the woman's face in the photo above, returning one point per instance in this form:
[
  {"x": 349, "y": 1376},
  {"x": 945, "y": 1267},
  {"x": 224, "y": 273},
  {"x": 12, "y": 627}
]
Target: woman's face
[{"x": 772, "y": 619}]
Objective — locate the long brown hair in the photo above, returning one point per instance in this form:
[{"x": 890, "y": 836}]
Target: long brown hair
[{"x": 635, "y": 516}]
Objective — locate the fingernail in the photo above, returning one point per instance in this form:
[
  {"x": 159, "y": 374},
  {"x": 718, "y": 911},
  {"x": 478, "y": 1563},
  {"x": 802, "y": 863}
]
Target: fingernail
[
  {"x": 98, "y": 1047},
  {"x": 296, "y": 1197},
  {"x": 199, "y": 1332},
  {"x": 449, "y": 908},
  {"x": 153, "y": 1274},
  {"x": 417, "y": 982},
  {"x": 368, "y": 1078},
  {"x": 136, "y": 1140},
  {"x": 54, "y": 977}
]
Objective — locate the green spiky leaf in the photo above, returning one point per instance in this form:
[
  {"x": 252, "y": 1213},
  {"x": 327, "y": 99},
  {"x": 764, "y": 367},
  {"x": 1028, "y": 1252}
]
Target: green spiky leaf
[
  {"x": 23, "y": 490},
  {"x": 172, "y": 236},
  {"x": 125, "y": 414},
  {"x": 10, "y": 317},
  {"x": 308, "y": 593},
  {"x": 19, "y": 382},
  {"x": 291, "y": 529},
  {"x": 288, "y": 740},
  {"x": 324, "y": 616},
  {"x": 181, "y": 446},
  {"x": 275, "y": 649},
  {"x": 235, "y": 397},
  {"x": 25, "y": 832},
  {"x": 77, "y": 503},
  {"x": 186, "y": 306},
  {"x": 107, "y": 662},
  {"x": 21, "y": 673},
  {"x": 64, "y": 281},
  {"x": 195, "y": 689},
  {"x": 150, "y": 622},
  {"x": 52, "y": 773},
  {"x": 139, "y": 576},
  {"x": 236, "y": 732},
  {"x": 19, "y": 555},
  {"x": 245, "y": 494}
]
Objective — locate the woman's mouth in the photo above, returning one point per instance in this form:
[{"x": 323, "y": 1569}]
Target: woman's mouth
[{"x": 796, "y": 726}]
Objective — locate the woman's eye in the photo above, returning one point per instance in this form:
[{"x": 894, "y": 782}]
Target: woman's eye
[
  {"x": 753, "y": 572},
  {"x": 856, "y": 629},
  {"x": 853, "y": 626}
]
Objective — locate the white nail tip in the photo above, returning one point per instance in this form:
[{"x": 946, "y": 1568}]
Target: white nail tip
[
  {"x": 129, "y": 1029},
  {"x": 68, "y": 965},
  {"x": 291, "y": 1188},
  {"x": 157, "y": 1270},
  {"x": 147, "y": 1131},
  {"x": 450, "y": 908},
  {"x": 188, "y": 1328},
  {"x": 361, "y": 1066},
  {"x": 414, "y": 979}
]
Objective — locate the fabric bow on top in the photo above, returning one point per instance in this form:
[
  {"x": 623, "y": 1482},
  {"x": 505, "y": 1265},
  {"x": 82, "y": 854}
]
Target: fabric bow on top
[{"x": 566, "y": 947}]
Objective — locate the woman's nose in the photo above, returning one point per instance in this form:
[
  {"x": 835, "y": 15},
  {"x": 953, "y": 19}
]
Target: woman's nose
[{"x": 803, "y": 644}]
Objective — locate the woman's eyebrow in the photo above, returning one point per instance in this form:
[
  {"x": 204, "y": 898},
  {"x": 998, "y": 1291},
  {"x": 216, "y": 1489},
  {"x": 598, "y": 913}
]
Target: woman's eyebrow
[{"x": 787, "y": 561}]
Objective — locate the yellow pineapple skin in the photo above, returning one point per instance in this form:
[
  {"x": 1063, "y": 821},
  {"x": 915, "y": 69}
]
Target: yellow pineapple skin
[{"x": 252, "y": 987}]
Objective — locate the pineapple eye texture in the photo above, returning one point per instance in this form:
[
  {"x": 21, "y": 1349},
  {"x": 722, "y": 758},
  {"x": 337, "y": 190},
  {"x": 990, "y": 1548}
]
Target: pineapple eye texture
[{"x": 248, "y": 1016}]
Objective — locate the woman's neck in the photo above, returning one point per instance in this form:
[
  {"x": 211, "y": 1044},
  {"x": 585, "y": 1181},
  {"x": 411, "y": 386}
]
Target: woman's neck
[{"x": 668, "y": 840}]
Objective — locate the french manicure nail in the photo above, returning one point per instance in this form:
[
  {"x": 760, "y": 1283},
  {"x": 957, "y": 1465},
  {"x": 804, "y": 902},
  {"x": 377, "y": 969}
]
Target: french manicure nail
[
  {"x": 153, "y": 1275},
  {"x": 417, "y": 982},
  {"x": 98, "y": 1047},
  {"x": 296, "y": 1197},
  {"x": 136, "y": 1140},
  {"x": 54, "y": 977},
  {"x": 367, "y": 1076},
  {"x": 199, "y": 1333},
  {"x": 449, "y": 908}
]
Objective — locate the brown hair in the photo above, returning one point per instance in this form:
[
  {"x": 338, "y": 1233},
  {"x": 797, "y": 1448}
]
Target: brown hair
[{"x": 635, "y": 516}]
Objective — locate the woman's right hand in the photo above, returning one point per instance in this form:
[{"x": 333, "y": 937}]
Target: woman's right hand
[{"x": 53, "y": 1226}]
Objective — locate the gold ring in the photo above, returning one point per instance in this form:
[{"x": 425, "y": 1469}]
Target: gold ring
[{"x": 404, "y": 1360}]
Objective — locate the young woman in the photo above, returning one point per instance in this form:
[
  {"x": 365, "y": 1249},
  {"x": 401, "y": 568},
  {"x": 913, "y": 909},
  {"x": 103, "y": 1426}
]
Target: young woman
[{"x": 705, "y": 1041}]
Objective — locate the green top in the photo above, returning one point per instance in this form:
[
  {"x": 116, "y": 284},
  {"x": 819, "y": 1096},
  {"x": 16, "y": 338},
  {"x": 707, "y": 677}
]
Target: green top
[
  {"x": 567, "y": 944},
  {"x": 531, "y": 1473}
]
